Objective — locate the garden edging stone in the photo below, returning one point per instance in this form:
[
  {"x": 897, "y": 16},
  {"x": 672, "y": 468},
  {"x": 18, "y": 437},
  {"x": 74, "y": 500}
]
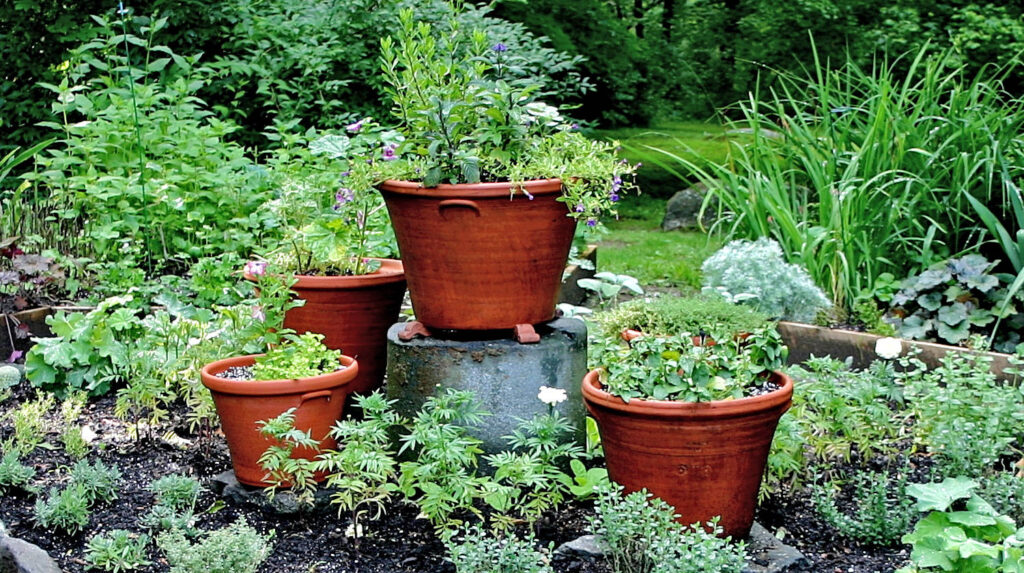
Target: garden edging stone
[{"x": 20, "y": 556}]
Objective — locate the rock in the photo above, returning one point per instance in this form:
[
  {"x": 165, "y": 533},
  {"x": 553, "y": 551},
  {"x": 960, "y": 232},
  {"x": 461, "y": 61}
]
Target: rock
[
  {"x": 682, "y": 209},
  {"x": 20, "y": 556},
  {"x": 767, "y": 554},
  {"x": 284, "y": 502},
  {"x": 586, "y": 546}
]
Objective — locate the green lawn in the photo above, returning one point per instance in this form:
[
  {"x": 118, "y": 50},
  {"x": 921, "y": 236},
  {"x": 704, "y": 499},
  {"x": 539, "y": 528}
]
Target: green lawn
[{"x": 636, "y": 246}]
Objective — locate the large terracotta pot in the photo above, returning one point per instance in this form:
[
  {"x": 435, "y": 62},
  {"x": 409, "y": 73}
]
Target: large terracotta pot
[
  {"x": 354, "y": 314},
  {"x": 477, "y": 256},
  {"x": 705, "y": 459},
  {"x": 319, "y": 403}
]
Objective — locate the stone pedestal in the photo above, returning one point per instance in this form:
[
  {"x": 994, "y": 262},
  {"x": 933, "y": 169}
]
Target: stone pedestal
[{"x": 504, "y": 375}]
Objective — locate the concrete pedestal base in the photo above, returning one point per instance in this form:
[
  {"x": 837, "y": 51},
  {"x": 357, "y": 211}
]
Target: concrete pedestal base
[{"x": 504, "y": 375}]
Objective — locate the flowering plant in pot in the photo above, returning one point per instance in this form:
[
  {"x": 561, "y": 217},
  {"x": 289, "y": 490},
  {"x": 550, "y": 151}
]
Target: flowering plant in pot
[
  {"x": 301, "y": 374},
  {"x": 693, "y": 424},
  {"x": 485, "y": 188},
  {"x": 338, "y": 245}
]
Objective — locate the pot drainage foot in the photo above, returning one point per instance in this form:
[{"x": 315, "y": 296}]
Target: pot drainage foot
[
  {"x": 412, "y": 330},
  {"x": 525, "y": 334}
]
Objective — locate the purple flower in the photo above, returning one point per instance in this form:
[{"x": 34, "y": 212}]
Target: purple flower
[
  {"x": 16, "y": 355},
  {"x": 258, "y": 314},
  {"x": 256, "y": 268},
  {"x": 614, "y": 197},
  {"x": 499, "y": 47},
  {"x": 591, "y": 222},
  {"x": 345, "y": 174},
  {"x": 389, "y": 152},
  {"x": 580, "y": 208},
  {"x": 616, "y": 183},
  {"x": 343, "y": 196},
  {"x": 355, "y": 127},
  {"x": 575, "y": 127}
]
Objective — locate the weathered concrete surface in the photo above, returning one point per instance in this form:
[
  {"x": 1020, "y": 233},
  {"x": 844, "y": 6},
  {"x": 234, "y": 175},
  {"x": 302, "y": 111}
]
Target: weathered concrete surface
[{"x": 505, "y": 375}]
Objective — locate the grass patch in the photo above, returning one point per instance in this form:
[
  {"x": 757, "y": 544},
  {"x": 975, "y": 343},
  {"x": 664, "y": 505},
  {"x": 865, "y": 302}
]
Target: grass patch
[
  {"x": 697, "y": 141},
  {"x": 636, "y": 246}
]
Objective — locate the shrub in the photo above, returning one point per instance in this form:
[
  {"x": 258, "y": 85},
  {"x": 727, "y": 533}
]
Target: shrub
[
  {"x": 237, "y": 548},
  {"x": 756, "y": 273},
  {"x": 117, "y": 550},
  {"x": 641, "y": 536}
]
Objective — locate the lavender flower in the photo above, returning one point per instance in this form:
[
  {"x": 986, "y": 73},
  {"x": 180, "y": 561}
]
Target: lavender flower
[
  {"x": 591, "y": 222},
  {"x": 389, "y": 152},
  {"x": 614, "y": 197},
  {"x": 256, "y": 268},
  {"x": 499, "y": 47},
  {"x": 355, "y": 127},
  {"x": 616, "y": 183},
  {"x": 580, "y": 208},
  {"x": 343, "y": 196}
]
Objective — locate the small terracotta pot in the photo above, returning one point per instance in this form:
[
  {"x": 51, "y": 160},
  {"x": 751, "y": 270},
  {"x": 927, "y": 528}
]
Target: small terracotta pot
[
  {"x": 705, "y": 459},
  {"x": 354, "y": 314},
  {"x": 319, "y": 403},
  {"x": 477, "y": 256}
]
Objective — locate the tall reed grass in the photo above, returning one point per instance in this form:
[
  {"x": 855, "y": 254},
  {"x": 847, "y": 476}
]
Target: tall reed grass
[{"x": 859, "y": 171}]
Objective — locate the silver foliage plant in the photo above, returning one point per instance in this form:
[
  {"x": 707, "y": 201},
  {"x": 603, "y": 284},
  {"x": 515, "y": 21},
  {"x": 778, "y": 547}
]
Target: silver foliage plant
[{"x": 755, "y": 273}]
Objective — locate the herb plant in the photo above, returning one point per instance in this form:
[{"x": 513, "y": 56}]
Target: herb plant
[
  {"x": 71, "y": 433},
  {"x": 13, "y": 473},
  {"x": 670, "y": 315},
  {"x": 476, "y": 551},
  {"x": 640, "y": 535},
  {"x": 883, "y": 510},
  {"x": 29, "y": 424},
  {"x": 98, "y": 481},
  {"x": 237, "y": 548},
  {"x": 755, "y": 273},
  {"x": 674, "y": 368},
  {"x": 116, "y": 551},
  {"x": 176, "y": 491},
  {"x": 299, "y": 356},
  {"x": 65, "y": 510}
]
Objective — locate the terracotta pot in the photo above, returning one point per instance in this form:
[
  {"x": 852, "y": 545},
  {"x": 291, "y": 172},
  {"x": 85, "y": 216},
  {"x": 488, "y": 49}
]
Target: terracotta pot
[
  {"x": 354, "y": 314},
  {"x": 478, "y": 257},
  {"x": 319, "y": 400},
  {"x": 705, "y": 459}
]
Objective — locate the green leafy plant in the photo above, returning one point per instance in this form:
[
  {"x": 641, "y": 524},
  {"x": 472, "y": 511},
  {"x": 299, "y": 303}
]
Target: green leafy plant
[
  {"x": 478, "y": 552},
  {"x": 164, "y": 518},
  {"x": 883, "y": 510},
  {"x": 670, "y": 315},
  {"x": 961, "y": 531},
  {"x": 587, "y": 482},
  {"x": 299, "y": 356},
  {"x": 607, "y": 286},
  {"x": 71, "y": 434},
  {"x": 13, "y": 473},
  {"x": 278, "y": 462},
  {"x": 117, "y": 550},
  {"x": 29, "y": 424},
  {"x": 953, "y": 300},
  {"x": 758, "y": 271},
  {"x": 98, "y": 481},
  {"x": 176, "y": 491},
  {"x": 362, "y": 468},
  {"x": 1005, "y": 491},
  {"x": 237, "y": 548},
  {"x": 674, "y": 368},
  {"x": 640, "y": 535},
  {"x": 65, "y": 510}
]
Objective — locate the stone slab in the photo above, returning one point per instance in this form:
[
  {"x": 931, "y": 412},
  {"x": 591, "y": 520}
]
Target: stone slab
[
  {"x": 504, "y": 375},
  {"x": 283, "y": 503}
]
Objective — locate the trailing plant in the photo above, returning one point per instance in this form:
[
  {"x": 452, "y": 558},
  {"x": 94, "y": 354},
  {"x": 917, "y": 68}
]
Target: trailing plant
[
  {"x": 640, "y": 535},
  {"x": 883, "y": 510},
  {"x": 117, "y": 550},
  {"x": 299, "y": 356},
  {"x": 278, "y": 462},
  {"x": 88, "y": 351},
  {"x": 236, "y": 548},
  {"x": 476, "y": 551},
  {"x": 670, "y": 315},
  {"x": 962, "y": 414},
  {"x": 755, "y": 273},
  {"x": 29, "y": 424},
  {"x": 961, "y": 531},
  {"x": 675, "y": 368},
  {"x": 65, "y": 510},
  {"x": 362, "y": 469},
  {"x": 14, "y": 474}
]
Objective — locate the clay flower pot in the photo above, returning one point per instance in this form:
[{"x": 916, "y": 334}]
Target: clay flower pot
[
  {"x": 705, "y": 459},
  {"x": 354, "y": 314},
  {"x": 477, "y": 256},
  {"x": 319, "y": 403}
]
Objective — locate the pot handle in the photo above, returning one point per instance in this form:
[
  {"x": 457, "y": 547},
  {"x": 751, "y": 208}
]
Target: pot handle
[
  {"x": 314, "y": 395},
  {"x": 458, "y": 203}
]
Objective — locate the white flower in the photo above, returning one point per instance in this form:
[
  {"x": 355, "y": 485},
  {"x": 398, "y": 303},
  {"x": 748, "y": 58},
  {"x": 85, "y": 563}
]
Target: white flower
[
  {"x": 551, "y": 396},
  {"x": 889, "y": 348}
]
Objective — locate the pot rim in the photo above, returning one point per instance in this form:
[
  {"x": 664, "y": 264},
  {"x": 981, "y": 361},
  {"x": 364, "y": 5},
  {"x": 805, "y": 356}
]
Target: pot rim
[
  {"x": 501, "y": 189},
  {"x": 595, "y": 396},
  {"x": 391, "y": 271},
  {"x": 326, "y": 381}
]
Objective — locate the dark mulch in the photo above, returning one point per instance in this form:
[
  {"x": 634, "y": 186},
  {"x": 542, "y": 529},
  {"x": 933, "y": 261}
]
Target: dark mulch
[{"x": 399, "y": 542}]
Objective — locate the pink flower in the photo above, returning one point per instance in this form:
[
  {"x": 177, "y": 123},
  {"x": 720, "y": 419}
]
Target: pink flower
[
  {"x": 258, "y": 314},
  {"x": 256, "y": 268}
]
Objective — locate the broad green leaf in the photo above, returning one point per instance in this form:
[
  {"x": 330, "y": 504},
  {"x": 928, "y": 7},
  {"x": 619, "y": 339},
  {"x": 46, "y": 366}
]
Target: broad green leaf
[
  {"x": 331, "y": 145},
  {"x": 954, "y": 334},
  {"x": 940, "y": 496},
  {"x": 953, "y": 314}
]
